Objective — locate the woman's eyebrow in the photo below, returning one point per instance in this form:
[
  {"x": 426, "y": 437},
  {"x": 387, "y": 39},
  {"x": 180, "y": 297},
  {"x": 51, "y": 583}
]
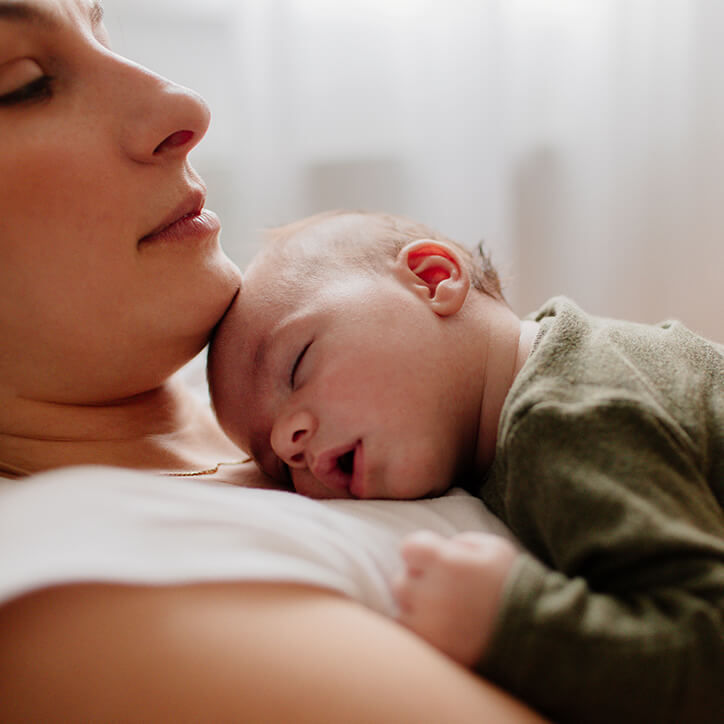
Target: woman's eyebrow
[
  {"x": 29, "y": 13},
  {"x": 25, "y": 12}
]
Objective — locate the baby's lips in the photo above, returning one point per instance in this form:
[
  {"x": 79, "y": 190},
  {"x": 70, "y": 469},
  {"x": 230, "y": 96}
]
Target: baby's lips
[{"x": 327, "y": 469}]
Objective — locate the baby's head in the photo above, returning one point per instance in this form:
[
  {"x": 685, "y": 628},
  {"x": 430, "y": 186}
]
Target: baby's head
[{"x": 346, "y": 365}]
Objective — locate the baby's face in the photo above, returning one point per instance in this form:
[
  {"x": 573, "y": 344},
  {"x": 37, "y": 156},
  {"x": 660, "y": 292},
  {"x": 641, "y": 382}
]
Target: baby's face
[{"x": 339, "y": 384}]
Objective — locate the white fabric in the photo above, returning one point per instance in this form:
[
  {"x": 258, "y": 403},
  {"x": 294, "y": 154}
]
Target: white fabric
[{"x": 113, "y": 525}]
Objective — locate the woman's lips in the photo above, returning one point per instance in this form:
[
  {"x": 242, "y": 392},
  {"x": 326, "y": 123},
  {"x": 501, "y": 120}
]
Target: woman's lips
[
  {"x": 188, "y": 221},
  {"x": 192, "y": 226},
  {"x": 341, "y": 469}
]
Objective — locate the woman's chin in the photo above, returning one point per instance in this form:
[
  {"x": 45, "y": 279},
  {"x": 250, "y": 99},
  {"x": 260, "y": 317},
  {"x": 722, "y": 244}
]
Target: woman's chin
[{"x": 203, "y": 302}]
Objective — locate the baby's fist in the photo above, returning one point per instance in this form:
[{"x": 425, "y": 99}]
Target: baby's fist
[{"x": 451, "y": 588}]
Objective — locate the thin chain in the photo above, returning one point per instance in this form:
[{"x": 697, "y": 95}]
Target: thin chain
[
  {"x": 10, "y": 471},
  {"x": 208, "y": 471}
]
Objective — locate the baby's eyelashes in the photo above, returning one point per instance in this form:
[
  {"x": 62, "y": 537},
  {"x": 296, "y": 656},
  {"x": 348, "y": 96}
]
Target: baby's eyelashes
[{"x": 297, "y": 363}]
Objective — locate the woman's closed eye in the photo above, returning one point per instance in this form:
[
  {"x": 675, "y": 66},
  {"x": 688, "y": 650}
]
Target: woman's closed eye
[
  {"x": 39, "y": 89},
  {"x": 297, "y": 364}
]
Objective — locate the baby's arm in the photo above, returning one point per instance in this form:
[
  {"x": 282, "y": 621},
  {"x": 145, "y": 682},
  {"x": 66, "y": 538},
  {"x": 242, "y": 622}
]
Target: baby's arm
[
  {"x": 622, "y": 600},
  {"x": 450, "y": 590}
]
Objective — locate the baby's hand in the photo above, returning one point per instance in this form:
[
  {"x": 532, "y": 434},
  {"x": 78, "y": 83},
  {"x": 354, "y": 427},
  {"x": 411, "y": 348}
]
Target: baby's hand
[{"x": 451, "y": 588}]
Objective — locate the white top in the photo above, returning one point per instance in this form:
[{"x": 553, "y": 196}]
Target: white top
[{"x": 105, "y": 524}]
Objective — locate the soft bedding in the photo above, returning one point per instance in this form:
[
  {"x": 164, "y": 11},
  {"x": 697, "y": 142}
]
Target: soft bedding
[{"x": 104, "y": 524}]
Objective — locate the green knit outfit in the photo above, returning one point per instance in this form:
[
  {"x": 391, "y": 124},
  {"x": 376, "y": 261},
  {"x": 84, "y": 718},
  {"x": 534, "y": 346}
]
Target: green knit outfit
[{"x": 610, "y": 469}]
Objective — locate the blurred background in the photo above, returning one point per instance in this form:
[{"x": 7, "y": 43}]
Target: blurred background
[{"x": 583, "y": 140}]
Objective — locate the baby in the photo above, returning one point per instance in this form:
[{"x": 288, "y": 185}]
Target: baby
[{"x": 368, "y": 356}]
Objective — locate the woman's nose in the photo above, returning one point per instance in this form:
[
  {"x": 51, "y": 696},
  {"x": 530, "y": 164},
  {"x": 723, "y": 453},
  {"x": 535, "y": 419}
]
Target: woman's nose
[
  {"x": 162, "y": 120},
  {"x": 290, "y": 436}
]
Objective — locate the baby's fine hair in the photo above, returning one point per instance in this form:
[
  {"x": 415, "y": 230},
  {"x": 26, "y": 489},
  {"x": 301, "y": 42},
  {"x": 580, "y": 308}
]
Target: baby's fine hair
[{"x": 388, "y": 235}]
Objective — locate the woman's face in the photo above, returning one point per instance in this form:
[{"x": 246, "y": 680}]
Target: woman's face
[{"x": 96, "y": 305}]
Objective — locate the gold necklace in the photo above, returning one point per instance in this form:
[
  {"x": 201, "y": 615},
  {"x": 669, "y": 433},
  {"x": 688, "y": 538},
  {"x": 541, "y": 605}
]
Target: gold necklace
[
  {"x": 10, "y": 471},
  {"x": 208, "y": 471}
]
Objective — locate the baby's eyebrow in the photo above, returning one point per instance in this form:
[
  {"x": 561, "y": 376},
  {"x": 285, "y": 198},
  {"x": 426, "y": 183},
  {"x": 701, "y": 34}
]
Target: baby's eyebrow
[{"x": 260, "y": 354}]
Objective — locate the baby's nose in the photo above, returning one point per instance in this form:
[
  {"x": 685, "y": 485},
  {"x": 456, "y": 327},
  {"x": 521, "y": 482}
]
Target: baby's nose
[{"x": 290, "y": 436}]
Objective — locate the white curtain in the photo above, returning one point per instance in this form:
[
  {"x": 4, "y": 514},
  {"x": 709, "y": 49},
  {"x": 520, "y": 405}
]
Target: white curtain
[{"x": 583, "y": 139}]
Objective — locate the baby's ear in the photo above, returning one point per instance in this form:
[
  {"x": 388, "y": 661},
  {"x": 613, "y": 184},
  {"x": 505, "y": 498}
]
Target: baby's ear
[{"x": 435, "y": 270}]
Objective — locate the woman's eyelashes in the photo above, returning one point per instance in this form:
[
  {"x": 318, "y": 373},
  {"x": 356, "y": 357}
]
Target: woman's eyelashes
[
  {"x": 37, "y": 90},
  {"x": 297, "y": 363}
]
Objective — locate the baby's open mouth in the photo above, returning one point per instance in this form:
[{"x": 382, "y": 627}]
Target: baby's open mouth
[
  {"x": 346, "y": 462},
  {"x": 335, "y": 469}
]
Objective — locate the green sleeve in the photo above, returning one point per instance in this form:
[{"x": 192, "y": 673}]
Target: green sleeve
[{"x": 619, "y": 617}]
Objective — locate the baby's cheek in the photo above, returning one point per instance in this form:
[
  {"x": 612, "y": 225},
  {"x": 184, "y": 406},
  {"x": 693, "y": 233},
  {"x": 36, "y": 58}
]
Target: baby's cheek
[{"x": 423, "y": 475}]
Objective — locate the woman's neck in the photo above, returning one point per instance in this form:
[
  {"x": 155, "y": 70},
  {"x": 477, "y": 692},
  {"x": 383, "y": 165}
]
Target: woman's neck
[{"x": 165, "y": 429}]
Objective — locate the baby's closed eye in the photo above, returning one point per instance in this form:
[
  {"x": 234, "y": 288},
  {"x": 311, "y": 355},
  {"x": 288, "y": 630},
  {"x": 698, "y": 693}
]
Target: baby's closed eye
[{"x": 297, "y": 363}]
